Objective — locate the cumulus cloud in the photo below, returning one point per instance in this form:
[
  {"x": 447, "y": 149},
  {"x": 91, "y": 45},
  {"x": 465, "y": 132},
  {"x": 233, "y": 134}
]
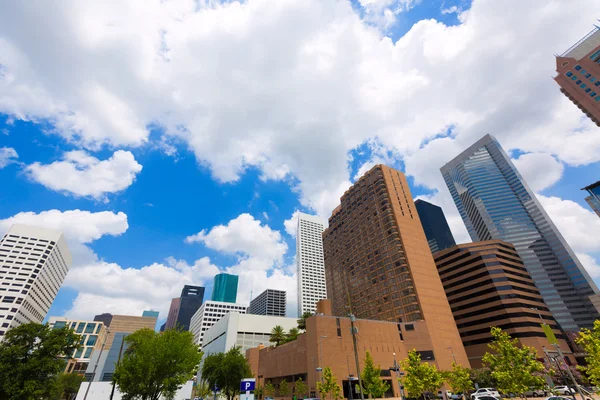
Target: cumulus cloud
[
  {"x": 254, "y": 243},
  {"x": 539, "y": 170},
  {"x": 81, "y": 174},
  {"x": 291, "y": 224},
  {"x": 8, "y": 155}
]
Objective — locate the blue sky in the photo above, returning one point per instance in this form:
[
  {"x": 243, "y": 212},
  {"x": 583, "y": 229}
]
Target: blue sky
[{"x": 217, "y": 123}]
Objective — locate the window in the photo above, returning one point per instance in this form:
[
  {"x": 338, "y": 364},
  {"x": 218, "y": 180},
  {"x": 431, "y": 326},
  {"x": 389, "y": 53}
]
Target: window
[
  {"x": 59, "y": 324},
  {"x": 409, "y": 327},
  {"x": 88, "y": 352},
  {"x": 583, "y": 86},
  {"x": 91, "y": 340},
  {"x": 569, "y": 73},
  {"x": 578, "y": 67},
  {"x": 583, "y": 72},
  {"x": 426, "y": 355},
  {"x": 588, "y": 90},
  {"x": 593, "y": 94},
  {"x": 587, "y": 75},
  {"x": 578, "y": 82},
  {"x": 80, "y": 327},
  {"x": 78, "y": 353},
  {"x": 89, "y": 328},
  {"x": 597, "y": 98}
]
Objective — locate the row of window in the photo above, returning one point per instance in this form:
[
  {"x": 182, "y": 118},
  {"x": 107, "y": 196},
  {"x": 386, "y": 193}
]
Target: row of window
[{"x": 578, "y": 81}]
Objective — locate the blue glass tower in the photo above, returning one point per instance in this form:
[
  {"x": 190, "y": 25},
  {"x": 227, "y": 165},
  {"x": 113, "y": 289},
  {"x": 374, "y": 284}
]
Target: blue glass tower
[
  {"x": 225, "y": 288},
  {"x": 435, "y": 226},
  {"x": 495, "y": 203},
  {"x": 594, "y": 198}
]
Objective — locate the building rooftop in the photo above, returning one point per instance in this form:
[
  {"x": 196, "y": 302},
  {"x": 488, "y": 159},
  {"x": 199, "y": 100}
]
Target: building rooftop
[
  {"x": 586, "y": 44},
  {"x": 592, "y": 186}
]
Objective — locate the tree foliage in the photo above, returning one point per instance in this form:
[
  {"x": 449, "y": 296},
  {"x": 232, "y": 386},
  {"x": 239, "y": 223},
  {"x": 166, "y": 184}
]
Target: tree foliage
[
  {"x": 329, "y": 385},
  {"x": 302, "y": 320},
  {"x": 269, "y": 390},
  {"x": 156, "y": 364},
  {"x": 459, "y": 379},
  {"x": 374, "y": 386},
  {"x": 277, "y": 335},
  {"x": 420, "y": 377},
  {"x": 515, "y": 369},
  {"x": 66, "y": 386},
  {"x": 300, "y": 388},
  {"x": 590, "y": 341},
  {"x": 226, "y": 370},
  {"x": 483, "y": 377},
  {"x": 31, "y": 360},
  {"x": 292, "y": 335},
  {"x": 203, "y": 389},
  {"x": 284, "y": 388}
]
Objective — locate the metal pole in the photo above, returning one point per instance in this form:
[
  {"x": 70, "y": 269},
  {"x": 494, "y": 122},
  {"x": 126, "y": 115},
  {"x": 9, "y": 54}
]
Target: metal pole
[
  {"x": 353, "y": 331},
  {"x": 96, "y": 366},
  {"x": 397, "y": 370},
  {"x": 349, "y": 380},
  {"x": 453, "y": 355}
]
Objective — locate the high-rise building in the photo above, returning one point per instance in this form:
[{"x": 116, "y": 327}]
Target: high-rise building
[
  {"x": 270, "y": 302},
  {"x": 225, "y": 288},
  {"x": 379, "y": 265},
  {"x": 190, "y": 301},
  {"x": 123, "y": 323},
  {"x": 208, "y": 314},
  {"x": 309, "y": 259},
  {"x": 495, "y": 202},
  {"x": 435, "y": 226},
  {"x": 173, "y": 312},
  {"x": 33, "y": 264},
  {"x": 594, "y": 198},
  {"x": 92, "y": 333},
  {"x": 487, "y": 285},
  {"x": 150, "y": 313},
  {"x": 579, "y": 74}
]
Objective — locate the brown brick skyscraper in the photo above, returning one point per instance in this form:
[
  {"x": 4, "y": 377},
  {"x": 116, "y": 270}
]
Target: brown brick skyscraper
[
  {"x": 579, "y": 74},
  {"x": 377, "y": 259}
]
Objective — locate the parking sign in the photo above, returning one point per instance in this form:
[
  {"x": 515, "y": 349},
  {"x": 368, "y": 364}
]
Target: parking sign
[{"x": 247, "y": 385}]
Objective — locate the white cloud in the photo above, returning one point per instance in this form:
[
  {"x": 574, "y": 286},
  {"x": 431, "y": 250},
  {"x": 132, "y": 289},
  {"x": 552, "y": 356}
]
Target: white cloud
[
  {"x": 257, "y": 245},
  {"x": 291, "y": 224},
  {"x": 539, "y": 170},
  {"x": 81, "y": 174},
  {"x": 8, "y": 155}
]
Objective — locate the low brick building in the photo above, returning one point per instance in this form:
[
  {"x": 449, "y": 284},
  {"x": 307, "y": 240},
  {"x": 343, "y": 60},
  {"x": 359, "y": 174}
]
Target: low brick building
[{"x": 328, "y": 343}]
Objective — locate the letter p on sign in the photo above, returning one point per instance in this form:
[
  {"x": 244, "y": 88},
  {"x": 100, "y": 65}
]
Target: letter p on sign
[{"x": 247, "y": 385}]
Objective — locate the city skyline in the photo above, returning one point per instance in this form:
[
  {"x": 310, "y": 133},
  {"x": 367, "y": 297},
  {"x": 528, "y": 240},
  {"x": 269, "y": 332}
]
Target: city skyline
[{"x": 163, "y": 171}]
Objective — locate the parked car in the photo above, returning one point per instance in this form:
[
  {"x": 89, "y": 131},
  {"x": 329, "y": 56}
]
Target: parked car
[
  {"x": 488, "y": 397},
  {"x": 559, "y": 398},
  {"x": 536, "y": 393},
  {"x": 564, "y": 390},
  {"x": 484, "y": 392}
]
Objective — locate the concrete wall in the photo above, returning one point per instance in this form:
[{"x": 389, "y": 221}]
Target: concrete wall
[{"x": 101, "y": 391}]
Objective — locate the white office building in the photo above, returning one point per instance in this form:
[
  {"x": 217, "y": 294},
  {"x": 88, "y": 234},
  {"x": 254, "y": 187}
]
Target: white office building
[
  {"x": 33, "y": 264},
  {"x": 208, "y": 314},
  {"x": 311, "y": 267},
  {"x": 244, "y": 330}
]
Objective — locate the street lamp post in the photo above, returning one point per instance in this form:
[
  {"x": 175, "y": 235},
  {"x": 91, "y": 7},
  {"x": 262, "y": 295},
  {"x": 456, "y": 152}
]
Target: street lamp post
[
  {"x": 397, "y": 370},
  {"x": 453, "y": 355},
  {"x": 321, "y": 355},
  {"x": 560, "y": 354},
  {"x": 96, "y": 366}
]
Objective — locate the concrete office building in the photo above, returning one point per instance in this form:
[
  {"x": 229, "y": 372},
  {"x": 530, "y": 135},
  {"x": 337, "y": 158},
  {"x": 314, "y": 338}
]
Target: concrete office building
[
  {"x": 495, "y": 202},
  {"x": 225, "y": 288},
  {"x": 310, "y": 264},
  {"x": 435, "y": 226},
  {"x": 33, "y": 265},
  {"x": 270, "y": 302},
  {"x": 244, "y": 330},
  {"x": 378, "y": 262},
  {"x": 92, "y": 334},
  {"x": 124, "y": 323},
  {"x": 594, "y": 198},
  {"x": 208, "y": 314},
  {"x": 328, "y": 343},
  {"x": 107, "y": 359},
  {"x": 487, "y": 285},
  {"x": 173, "y": 311},
  {"x": 189, "y": 302},
  {"x": 578, "y": 71}
]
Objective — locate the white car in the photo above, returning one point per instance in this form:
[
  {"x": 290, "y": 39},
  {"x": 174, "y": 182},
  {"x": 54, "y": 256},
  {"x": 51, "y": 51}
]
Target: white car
[
  {"x": 485, "y": 392},
  {"x": 564, "y": 390}
]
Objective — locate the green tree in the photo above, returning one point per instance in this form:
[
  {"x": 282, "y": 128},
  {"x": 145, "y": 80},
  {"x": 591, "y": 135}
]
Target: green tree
[
  {"x": 300, "y": 388},
  {"x": 284, "y": 388},
  {"x": 590, "y": 341},
  {"x": 66, "y": 386},
  {"x": 329, "y": 385},
  {"x": 203, "y": 389},
  {"x": 269, "y": 390},
  {"x": 277, "y": 335},
  {"x": 515, "y": 369},
  {"x": 459, "y": 379},
  {"x": 156, "y": 364},
  {"x": 259, "y": 391},
  {"x": 374, "y": 386},
  {"x": 31, "y": 359},
  {"x": 302, "y": 320},
  {"x": 292, "y": 335},
  {"x": 226, "y": 370},
  {"x": 420, "y": 377},
  {"x": 483, "y": 377}
]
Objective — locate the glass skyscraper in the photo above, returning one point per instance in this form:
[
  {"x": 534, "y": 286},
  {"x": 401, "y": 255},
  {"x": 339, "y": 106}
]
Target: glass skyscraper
[
  {"x": 437, "y": 231},
  {"x": 225, "y": 288},
  {"x": 594, "y": 198},
  {"x": 495, "y": 202}
]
